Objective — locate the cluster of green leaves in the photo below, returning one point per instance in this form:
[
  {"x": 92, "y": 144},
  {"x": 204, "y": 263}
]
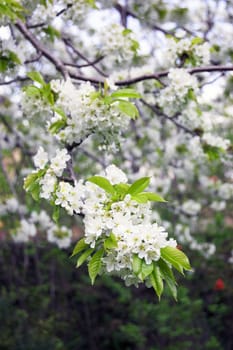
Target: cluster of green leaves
[
  {"x": 32, "y": 183},
  {"x": 12, "y": 9},
  {"x": 212, "y": 152},
  {"x": 8, "y": 60},
  {"x": 119, "y": 191},
  {"x": 44, "y": 92},
  {"x": 120, "y": 98},
  {"x": 41, "y": 90},
  {"x": 161, "y": 270}
]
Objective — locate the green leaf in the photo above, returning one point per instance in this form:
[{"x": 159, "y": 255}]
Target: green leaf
[
  {"x": 36, "y": 76},
  {"x": 52, "y": 33},
  {"x": 32, "y": 91},
  {"x": 154, "y": 197},
  {"x": 157, "y": 281},
  {"x": 129, "y": 93},
  {"x": 60, "y": 111},
  {"x": 48, "y": 94},
  {"x": 212, "y": 152},
  {"x": 110, "y": 242},
  {"x": 166, "y": 271},
  {"x": 168, "y": 276},
  {"x": 138, "y": 186},
  {"x": 197, "y": 41},
  {"x": 95, "y": 264},
  {"x": 103, "y": 183},
  {"x": 134, "y": 45},
  {"x": 146, "y": 269},
  {"x": 172, "y": 287},
  {"x": 128, "y": 108},
  {"x": 177, "y": 258},
  {"x": 191, "y": 95},
  {"x": 79, "y": 247},
  {"x": 144, "y": 197},
  {"x": 136, "y": 264},
  {"x": 56, "y": 213},
  {"x": 35, "y": 191},
  {"x": 126, "y": 31},
  {"x": 29, "y": 181},
  {"x": 121, "y": 188},
  {"x": 84, "y": 256},
  {"x": 13, "y": 57},
  {"x": 57, "y": 126},
  {"x": 140, "y": 198}
]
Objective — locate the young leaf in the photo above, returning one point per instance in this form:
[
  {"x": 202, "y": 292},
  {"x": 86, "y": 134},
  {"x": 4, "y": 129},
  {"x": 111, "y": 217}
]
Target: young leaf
[
  {"x": 139, "y": 185},
  {"x": 137, "y": 264},
  {"x": 84, "y": 256},
  {"x": 121, "y": 188},
  {"x": 177, "y": 258},
  {"x": 130, "y": 93},
  {"x": 56, "y": 213},
  {"x": 57, "y": 126},
  {"x": 146, "y": 269},
  {"x": 29, "y": 181},
  {"x": 102, "y": 183},
  {"x": 167, "y": 275},
  {"x": 110, "y": 242},
  {"x": 197, "y": 41},
  {"x": 35, "y": 191},
  {"x": 140, "y": 198},
  {"x": 32, "y": 91},
  {"x": 172, "y": 287},
  {"x": 165, "y": 270},
  {"x": 157, "y": 281},
  {"x": 153, "y": 197},
  {"x": 128, "y": 108},
  {"x": 94, "y": 265},
  {"x": 36, "y": 76},
  {"x": 79, "y": 247}
]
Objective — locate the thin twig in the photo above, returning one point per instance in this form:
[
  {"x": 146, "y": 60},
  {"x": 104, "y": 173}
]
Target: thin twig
[{"x": 171, "y": 119}]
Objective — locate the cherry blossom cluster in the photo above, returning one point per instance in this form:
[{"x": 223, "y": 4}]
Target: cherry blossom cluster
[
  {"x": 55, "y": 169},
  {"x": 175, "y": 95},
  {"x": 86, "y": 113},
  {"x": 118, "y": 42},
  {"x": 109, "y": 213},
  {"x": 187, "y": 52},
  {"x": 74, "y": 10}
]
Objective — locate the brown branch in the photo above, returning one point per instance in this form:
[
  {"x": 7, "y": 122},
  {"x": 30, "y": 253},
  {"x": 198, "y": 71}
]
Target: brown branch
[
  {"x": 85, "y": 64},
  {"x": 15, "y": 80},
  {"x": 61, "y": 67},
  {"x": 204, "y": 69}
]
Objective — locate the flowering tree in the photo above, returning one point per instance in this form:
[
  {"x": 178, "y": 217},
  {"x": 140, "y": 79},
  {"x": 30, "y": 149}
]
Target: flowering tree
[{"x": 94, "y": 90}]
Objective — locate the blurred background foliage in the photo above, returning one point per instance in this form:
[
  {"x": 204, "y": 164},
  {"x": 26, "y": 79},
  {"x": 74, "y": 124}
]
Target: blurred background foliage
[{"x": 46, "y": 304}]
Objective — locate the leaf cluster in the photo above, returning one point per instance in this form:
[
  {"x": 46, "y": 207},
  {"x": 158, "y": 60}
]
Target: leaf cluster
[
  {"x": 12, "y": 9},
  {"x": 159, "y": 271}
]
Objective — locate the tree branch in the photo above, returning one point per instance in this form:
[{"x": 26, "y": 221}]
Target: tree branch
[
  {"x": 171, "y": 119},
  {"x": 204, "y": 69},
  {"x": 40, "y": 48}
]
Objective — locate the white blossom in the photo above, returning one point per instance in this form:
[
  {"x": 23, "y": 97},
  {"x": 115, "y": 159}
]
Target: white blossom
[{"x": 41, "y": 158}]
